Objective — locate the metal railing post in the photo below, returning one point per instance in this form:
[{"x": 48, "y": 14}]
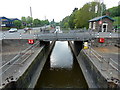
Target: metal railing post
[
  {"x": 110, "y": 34},
  {"x": 4, "y": 35},
  {"x": 98, "y": 34}
]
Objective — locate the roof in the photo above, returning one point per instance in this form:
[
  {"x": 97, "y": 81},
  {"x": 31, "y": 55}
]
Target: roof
[
  {"x": 99, "y": 18},
  {"x": 13, "y": 18},
  {"x": 4, "y": 19}
]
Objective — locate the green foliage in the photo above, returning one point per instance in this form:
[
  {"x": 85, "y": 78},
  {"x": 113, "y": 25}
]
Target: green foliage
[
  {"x": 79, "y": 18},
  {"x": 23, "y": 19},
  {"x": 5, "y": 28},
  {"x": 66, "y": 25},
  {"x": 115, "y": 11},
  {"x": 117, "y": 21},
  {"x": 82, "y": 16},
  {"x": 17, "y": 23},
  {"x": 28, "y": 21},
  {"x": 36, "y": 22},
  {"x": 44, "y": 22},
  {"x": 65, "y": 22},
  {"x": 72, "y": 20}
]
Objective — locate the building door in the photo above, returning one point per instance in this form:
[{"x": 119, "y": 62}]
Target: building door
[{"x": 104, "y": 27}]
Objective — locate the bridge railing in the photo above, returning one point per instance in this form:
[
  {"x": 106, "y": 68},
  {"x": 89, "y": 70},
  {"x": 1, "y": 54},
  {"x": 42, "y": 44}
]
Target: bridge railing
[
  {"x": 104, "y": 34},
  {"x": 74, "y": 35},
  {"x": 7, "y": 69}
]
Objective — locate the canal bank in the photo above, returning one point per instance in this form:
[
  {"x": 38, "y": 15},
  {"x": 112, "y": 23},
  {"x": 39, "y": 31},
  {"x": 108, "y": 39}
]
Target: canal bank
[
  {"x": 32, "y": 70},
  {"x": 92, "y": 75}
]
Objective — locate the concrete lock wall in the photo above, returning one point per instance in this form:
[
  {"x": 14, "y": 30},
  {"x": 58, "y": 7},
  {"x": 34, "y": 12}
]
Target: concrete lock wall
[
  {"x": 93, "y": 77},
  {"x": 98, "y": 79},
  {"x": 31, "y": 74}
]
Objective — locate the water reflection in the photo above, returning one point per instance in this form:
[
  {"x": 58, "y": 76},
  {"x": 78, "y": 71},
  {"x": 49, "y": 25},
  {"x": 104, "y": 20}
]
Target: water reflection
[
  {"x": 61, "y": 56},
  {"x": 61, "y": 70}
]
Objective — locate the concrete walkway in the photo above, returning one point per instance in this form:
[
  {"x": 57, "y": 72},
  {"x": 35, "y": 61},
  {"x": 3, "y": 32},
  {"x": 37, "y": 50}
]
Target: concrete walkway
[
  {"x": 106, "y": 60},
  {"x": 17, "y": 68}
]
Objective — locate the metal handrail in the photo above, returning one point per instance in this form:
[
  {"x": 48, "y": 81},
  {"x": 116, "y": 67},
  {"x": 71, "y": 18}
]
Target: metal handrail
[
  {"x": 114, "y": 62},
  {"x": 10, "y": 61},
  {"x": 109, "y": 62},
  {"x": 17, "y": 57},
  {"x": 114, "y": 66},
  {"x": 96, "y": 53},
  {"x": 103, "y": 58}
]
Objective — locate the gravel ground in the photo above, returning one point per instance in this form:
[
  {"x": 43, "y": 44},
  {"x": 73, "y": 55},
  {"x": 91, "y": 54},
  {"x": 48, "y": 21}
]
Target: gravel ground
[{"x": 11, "y": 47}]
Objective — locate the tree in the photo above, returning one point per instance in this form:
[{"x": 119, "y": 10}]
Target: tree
[
  {"x": 72, "y": 20},
  {"x": 36, "y": 22},
  {"x": 75, "y": 9},
  {"x": 79, "y": 18},
  {"x": 24, "y": 21},
  {"x": 114, "y": 11},
  {"x": 44, "y": 22},
  {"x": 87, "y": 12},
  {"x": 17, "y": 23},
  {"x": 66, "y": 25},
  {"x": 84, "y": 14},
  {"x": 117, "y": 21},
  {"x": 65, "y": 22},
  {"x": 29, "y": 21}
]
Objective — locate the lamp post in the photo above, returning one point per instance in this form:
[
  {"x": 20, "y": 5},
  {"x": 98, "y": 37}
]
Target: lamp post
[
  {"x": 45, "y": 23},
  {"x": 31, "y": 16}
]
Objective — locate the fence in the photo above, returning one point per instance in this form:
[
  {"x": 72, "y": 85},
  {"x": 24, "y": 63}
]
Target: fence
[{"x": 19, "y": 35}]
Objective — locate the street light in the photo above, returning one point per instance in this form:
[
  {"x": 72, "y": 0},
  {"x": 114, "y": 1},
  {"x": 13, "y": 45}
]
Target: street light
[
  {"x": 31, "y": 16},
  {"x": 45, "y": 23}
]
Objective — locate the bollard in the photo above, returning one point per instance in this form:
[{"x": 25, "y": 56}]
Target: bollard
[
  {"x": 3, "y": 35},
  {"x": 34, "y": 35},
  {"x": 98, "y": 34},
  {"x": 20, "y": 36},
  {"x": 110, "y": 34},
  {"x": 85, "y": 45}
]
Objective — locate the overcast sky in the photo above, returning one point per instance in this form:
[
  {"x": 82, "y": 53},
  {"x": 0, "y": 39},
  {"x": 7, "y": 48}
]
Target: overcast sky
[{"x": 52, "y": 9}]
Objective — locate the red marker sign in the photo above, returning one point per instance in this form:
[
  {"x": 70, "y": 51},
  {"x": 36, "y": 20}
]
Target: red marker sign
[
  {"x": 101, "y": 40},
  {"x": 30, "y": 41},
  {"x": 100, "y": 22}
]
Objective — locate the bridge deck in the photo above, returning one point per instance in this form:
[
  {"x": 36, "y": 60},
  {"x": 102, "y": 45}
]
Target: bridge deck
[
  {"x": 65, "y": 36},
  {"x": 73, "y": 35}
]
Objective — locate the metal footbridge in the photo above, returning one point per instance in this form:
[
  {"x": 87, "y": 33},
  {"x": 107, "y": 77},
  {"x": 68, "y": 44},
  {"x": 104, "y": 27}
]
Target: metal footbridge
[
  {"x": 65, "y": 36},
  {"x": 73, "y": 35}
]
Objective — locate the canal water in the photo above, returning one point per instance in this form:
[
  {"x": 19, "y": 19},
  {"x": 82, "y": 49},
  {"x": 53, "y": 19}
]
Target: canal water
[{"x": 61, "y": 70}]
